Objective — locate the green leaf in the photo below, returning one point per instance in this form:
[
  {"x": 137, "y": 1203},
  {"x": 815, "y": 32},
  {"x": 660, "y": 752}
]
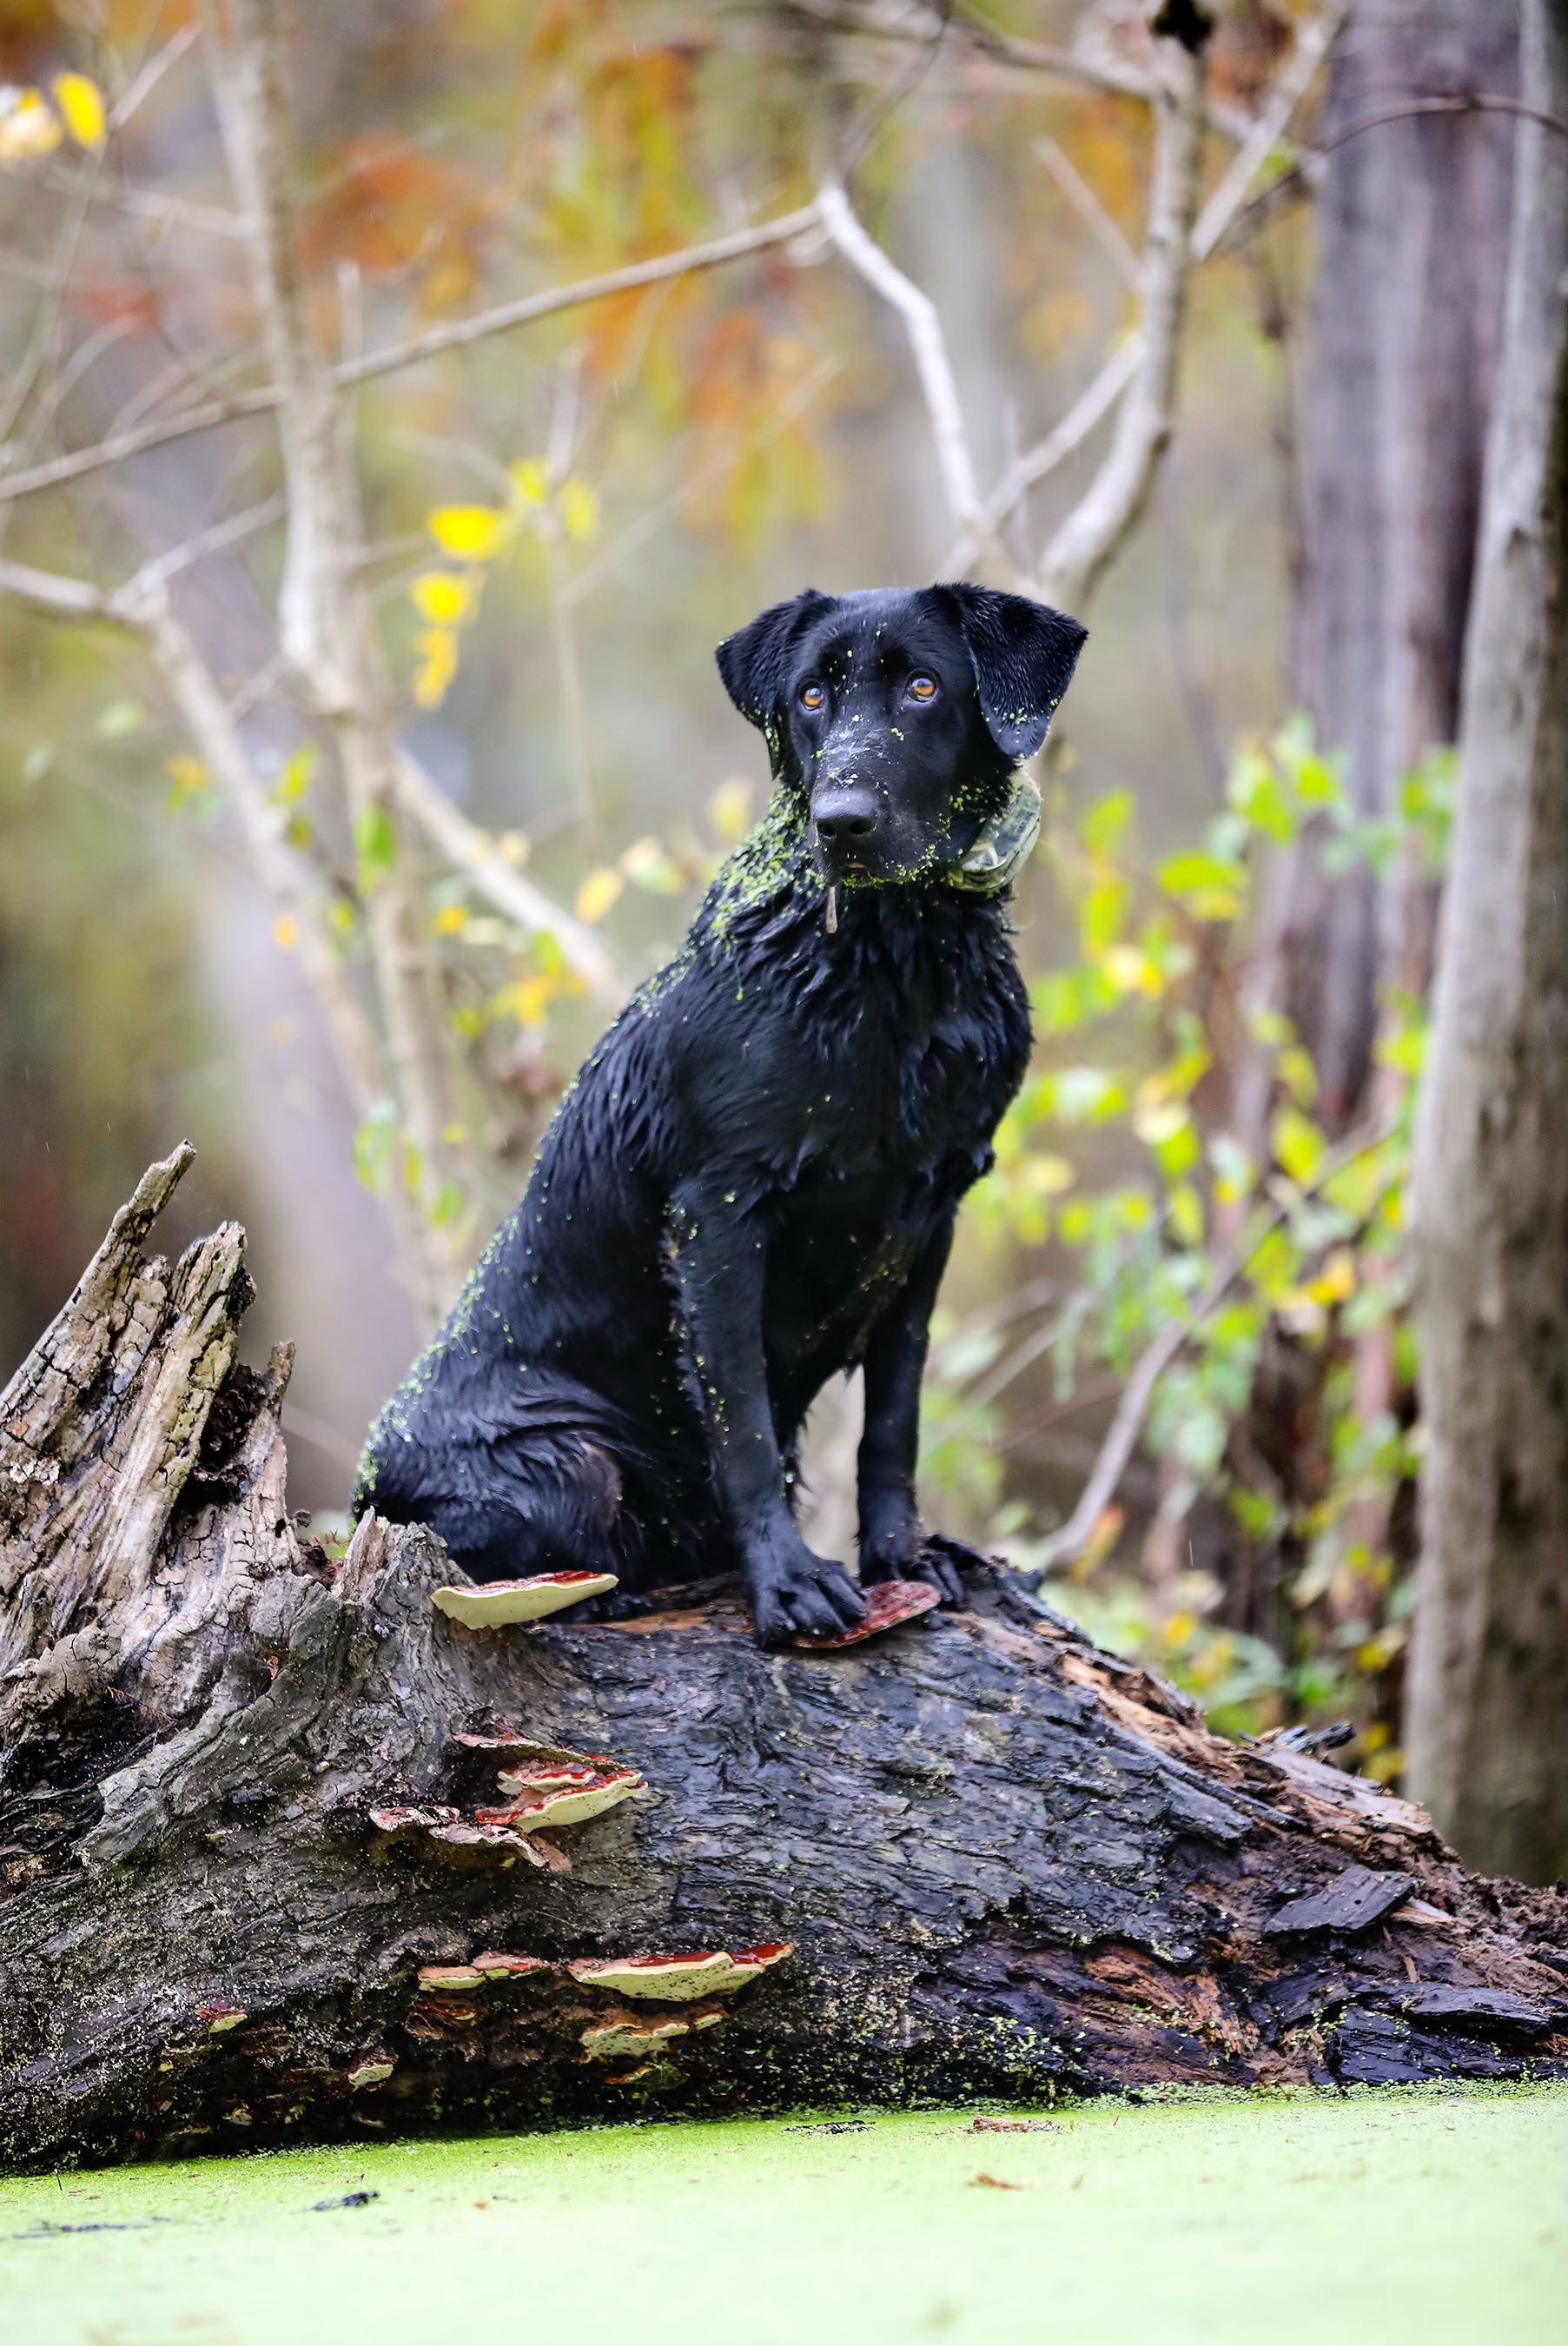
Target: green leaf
[
  {"x": 1104, "y": 825},
  {"x": 1212, "y": 889},
  {"x": 118, "y": 718},
  {"x": 375, "y": 843}
]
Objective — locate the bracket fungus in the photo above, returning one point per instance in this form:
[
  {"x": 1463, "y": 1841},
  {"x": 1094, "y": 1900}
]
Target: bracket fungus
[
  {"x": 495, "y": 1966},
  {"x": 400, "y": 1821},
  {"x": 888, "y": 1603},
  {"x": 621, "y": 2033},
  {"x": 556, "y": 1797},
  {"x": 495, "y": 1604},
  {"x": 676, "y": 1979}
]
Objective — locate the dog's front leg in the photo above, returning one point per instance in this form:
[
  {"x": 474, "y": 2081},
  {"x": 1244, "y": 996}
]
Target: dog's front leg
[
  {"x": 720, "y": 1258},
  {"x": 894, "y": 1543}
]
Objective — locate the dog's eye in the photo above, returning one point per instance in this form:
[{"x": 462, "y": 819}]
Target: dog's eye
[
  {"x": 923, "y": 688},
  {"x": 811, "y": 696}
]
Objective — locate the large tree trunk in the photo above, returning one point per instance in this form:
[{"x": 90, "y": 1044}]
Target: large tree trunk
[
  {"x": 1489, "y": 1676},
  {"x": 1412, "y": 243},
  {"x": 244, "y": 1888}
]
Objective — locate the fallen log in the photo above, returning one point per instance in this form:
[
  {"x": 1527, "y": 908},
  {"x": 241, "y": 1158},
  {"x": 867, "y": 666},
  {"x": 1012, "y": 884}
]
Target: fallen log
[{"x": 259, "y": 1880}]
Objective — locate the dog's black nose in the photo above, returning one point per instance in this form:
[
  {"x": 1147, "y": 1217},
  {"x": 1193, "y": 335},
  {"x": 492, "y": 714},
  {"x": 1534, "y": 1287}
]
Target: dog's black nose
[{"x": 845, "y": 817}]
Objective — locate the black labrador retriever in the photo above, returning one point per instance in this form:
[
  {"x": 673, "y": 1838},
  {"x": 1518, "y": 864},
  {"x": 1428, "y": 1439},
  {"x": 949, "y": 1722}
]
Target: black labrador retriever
[{"x": 752, "y": 1182}]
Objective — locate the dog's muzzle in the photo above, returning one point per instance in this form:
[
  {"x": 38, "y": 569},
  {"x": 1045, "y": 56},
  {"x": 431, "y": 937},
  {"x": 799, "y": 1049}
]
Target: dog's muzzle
[{"x": 1003, "y": 849}]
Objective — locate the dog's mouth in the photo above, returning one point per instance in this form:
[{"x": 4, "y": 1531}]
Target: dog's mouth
[{"x": 990, "y": 862}]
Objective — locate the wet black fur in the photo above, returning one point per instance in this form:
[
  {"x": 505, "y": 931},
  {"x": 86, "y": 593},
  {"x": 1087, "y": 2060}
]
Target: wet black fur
[{"x": 752, "y": 1184}]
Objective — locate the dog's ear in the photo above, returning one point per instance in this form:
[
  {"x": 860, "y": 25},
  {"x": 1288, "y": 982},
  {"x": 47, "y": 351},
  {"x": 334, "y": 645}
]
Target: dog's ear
[
  {"x": 1024, "y": 655},
  {"x": 755, "y": 661}
]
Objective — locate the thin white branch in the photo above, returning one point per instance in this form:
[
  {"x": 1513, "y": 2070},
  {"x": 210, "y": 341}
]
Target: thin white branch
[
  {"x": 461, "y": 331},
  {"x": 474, "y": 853},
  {"x": 142, "y": 605},
  {"x": 1096, "y": 400},
  {"x": 325, "y": 625},
  {"x": 1090, "y": 533},
  {"x": 137, "y": 203},
  {"x": 1138, "y": 1391},
  {"x": 63, "y": 598},
  {"x": 151, "y": 74},
  {"x": 933, "y": 367},
  {"x": 1313, "y": 42},
  {"x": 162, "y": 567},
  {"x": 1090, "y": 211},
  {"x": 265, "y": 397}
]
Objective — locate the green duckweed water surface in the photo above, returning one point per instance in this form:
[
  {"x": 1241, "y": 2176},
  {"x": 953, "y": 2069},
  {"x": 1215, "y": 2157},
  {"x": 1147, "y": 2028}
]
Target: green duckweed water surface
[{"x": 1369, "y": 2220}]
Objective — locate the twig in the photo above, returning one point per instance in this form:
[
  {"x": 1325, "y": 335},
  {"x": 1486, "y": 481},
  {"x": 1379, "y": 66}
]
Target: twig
[
  {"x": 582, "y": 583},
  {"x": 1090, "y": 211},
  {"x": 464, "y": 845},
  {"x": 1058, "y": 445},
  {"x": 151, "y": 74},
  {"x": 325, "y": 626},
  {"x": 932, "y": 365},
  {"x": 459, "y": 334},
  {"x": 1090, "y": 533},
  {"x": 475, "y": 853},
  {"x": 1137, "y": 1393},
  {"x": 1313, "y": 42}
]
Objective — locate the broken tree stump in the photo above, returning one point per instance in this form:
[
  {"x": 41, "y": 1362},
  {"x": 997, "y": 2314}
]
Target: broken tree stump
[{"x": 259, "y": 1881}]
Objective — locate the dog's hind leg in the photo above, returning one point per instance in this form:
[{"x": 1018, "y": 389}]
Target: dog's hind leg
[{"x": 547, "y": 1501}]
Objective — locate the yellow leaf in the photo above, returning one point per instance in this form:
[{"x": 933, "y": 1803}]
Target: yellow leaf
[
  {"x": 1047, "y": 1176},
  {"x": 286, "y": 932},
  {"x": 471, "y": 533},
  {"x": 189, "y": 776},
  {"x": 438, "y": 668},
  {"x": 1159, "y": 1122},
  {"x": 579, "y": 504},
  {"x": 730, "y": 810},
  {"x": 1131, "y": 971},
  {"x": 648, "y": 864},
  {"x": 530, "y": 998},
  {"x": 1299, "y": 1146},
  {"x": 530, "y": 481},
  {"x": 442, "y": 598},
  {"x": 1335, "y": 1281},
  {"x": 456, "y": 1136},
  {"x": 28, "y": 126},
  {"x": 451, "y": 921},
  {"x": 81, "y": 102},
  {"x": 599, "y": 892}
]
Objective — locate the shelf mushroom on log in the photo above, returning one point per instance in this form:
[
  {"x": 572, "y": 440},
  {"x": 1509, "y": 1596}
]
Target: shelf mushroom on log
[{"x": 259, "y": 1880}]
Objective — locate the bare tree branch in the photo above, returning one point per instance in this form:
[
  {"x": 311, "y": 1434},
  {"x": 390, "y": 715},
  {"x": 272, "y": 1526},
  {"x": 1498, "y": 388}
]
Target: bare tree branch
[
  {"x": 264, "y": 397},
  {"x": 1138, "y": 1391},
  {"x": 933, "y": 365},
  {"x": 1313, "y": 42},
  {"x": 1089, "y": 537},
  {"x": 325, "y": 624},
  {"x": 1090, "y": 211},
  {"x": 1095, "y": 402},
  {"x": 474, "y": 853}
]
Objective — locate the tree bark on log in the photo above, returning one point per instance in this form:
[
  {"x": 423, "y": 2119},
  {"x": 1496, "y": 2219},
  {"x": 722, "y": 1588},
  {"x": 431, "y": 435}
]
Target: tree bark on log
[{"x": 242, "y": 1888}]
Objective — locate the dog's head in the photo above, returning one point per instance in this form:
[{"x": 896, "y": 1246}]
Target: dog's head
[{"x": 898, "y": 715}]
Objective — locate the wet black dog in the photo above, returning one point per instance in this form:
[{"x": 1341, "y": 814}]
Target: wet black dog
[{"x": 752, "y": 1182}]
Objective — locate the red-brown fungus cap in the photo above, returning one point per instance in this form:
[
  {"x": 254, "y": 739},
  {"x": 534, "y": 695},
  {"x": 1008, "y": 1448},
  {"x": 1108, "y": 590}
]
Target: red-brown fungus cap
[{"x": 888, "y": 1603}]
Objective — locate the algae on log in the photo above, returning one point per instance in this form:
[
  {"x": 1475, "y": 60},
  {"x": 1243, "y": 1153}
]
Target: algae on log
[{"x": 246, "y": 1896}]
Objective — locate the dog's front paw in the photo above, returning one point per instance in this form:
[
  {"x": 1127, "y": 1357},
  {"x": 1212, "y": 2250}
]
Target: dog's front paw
[
  {"x": 906, "y": 1551},
  {"x": 794, "y": 1591}
]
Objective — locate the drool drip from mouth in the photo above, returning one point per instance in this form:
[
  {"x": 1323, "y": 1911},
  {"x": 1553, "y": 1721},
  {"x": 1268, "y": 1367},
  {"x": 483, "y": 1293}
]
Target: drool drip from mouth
[{"x": 833, "y": 912}]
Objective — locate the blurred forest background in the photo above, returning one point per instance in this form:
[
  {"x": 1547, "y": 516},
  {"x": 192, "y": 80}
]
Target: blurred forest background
[{"x": 361, "y": 745}]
